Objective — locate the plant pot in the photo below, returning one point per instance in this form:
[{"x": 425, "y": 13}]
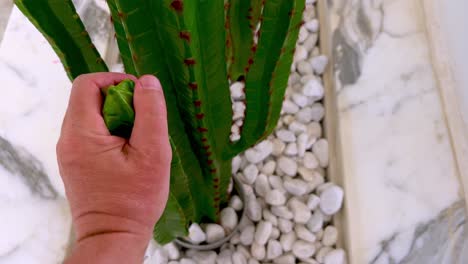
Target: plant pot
[{"x": 239, "y": 190}]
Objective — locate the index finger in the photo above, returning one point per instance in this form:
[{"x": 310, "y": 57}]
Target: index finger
[{"x": 85, "y": 105}]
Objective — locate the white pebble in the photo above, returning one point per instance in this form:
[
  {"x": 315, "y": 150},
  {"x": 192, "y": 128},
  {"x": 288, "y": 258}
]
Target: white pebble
[
  {"x": 187, "y": 261},
  {"x": 214, "y": 232},
  {"x": 239, "y": 110},
  {"x": 159, "y": 256},
  {"x": 247, "y": 235},
  {"x": 278, "y": 147},
  {"x": 297, "y": 127},
  {"x": 235, "y": 239},
  {"x": 302, "y": 144},
  {"x": 259, "y": 152},
  {"x": 258, "y": 251},
  {"x": 302, "y": 34},
  {"x": 296, "y": 187},
  {"x": 262, "y": 232},
  {"x": 196, "y": 234},
  {"x": 275, "y": 234},
  {"x": 321, "y": 253},
  {"x": 291, "y": 149},
  {"x": 172, "y": 251},
  {"x": 300, "y": 211},
  {"x": 228, "y": 218},
  {"x": 287, "y": 165},
  {"x": 276, "y": 182},
  {"x": 284, "y": 225},
  {"x": 224, "y": 257},
  {"x": 304, "y": 68},
  {"x": 236, "y": 162},
  {"x": 305, "y": 115},
  {"x": 313, "y": 89},
  {"x": 303, "y": 249},
  {"x": 262, "y": 186},
  {"x": 275, "y": 197},
  {"x": 268, "y": 216},
  {"x": 205, "y": 257},
  {"x": 269, "y": 167},
  {"x": 242, "y": 249},
  {"x": 303, "y": 233},
  {"x": 285, "y": 259},
  {"x": 315, "y": 222},
  {"x": 300, "y": 99},
  {"x": 314, "y": 130},
  {"x": 254, "y": 210},
  {"x": 287, "y": 240},
  {"x": 237, "y": 90},
  {"x": 289, "y": 107},
  {"x": 236, "y": 203},
  {"x": 319, "y": 63},
  {"x": 330, "y": 236},
  {"x": 317, "y": 112},
  {"x": 253, "y": 261},
  {"x": 320, "y": 150},
  {"x": 313, "y": 201},
  {"x": 286, "y": 135},
  {"x": 249, "y": 174},
  {"x": 274, "y": 249},
  {"x": 238, "y": 258},
  {"x": 312, "y": 25},
  {"x": 282, "y": 211},
  {"x": 331, "y": 200},
  {"x": 301, "y": 53},
  {"x": 310, "y": 161},
  {"x": 336, "y": 256},
  {"x": 311, "y": 42}
]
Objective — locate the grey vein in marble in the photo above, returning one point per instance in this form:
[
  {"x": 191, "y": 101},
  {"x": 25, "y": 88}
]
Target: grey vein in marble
[
  {"x": 21, "y": 163},
  {"x": 441, "y": 241}
]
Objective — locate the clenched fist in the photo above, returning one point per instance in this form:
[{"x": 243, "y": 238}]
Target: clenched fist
[{"x": 117, "y": 188}]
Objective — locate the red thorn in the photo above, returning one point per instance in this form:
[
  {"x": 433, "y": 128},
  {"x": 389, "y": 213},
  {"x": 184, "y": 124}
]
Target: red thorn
[
  {"x": 135, "y": 58},
  {"x": 254, "y": 48},
  {"x": 216, "y": 179},
  {"x": 213, "y": 170},
  {"x": 185, "y": 35},
  {"x": 249, "y": 17},
  {"x": 200, "y": 116},
  {"x": 208, "y": 153},
  {"x": 121, "y": 15},
  {"x": 193, "y": 85},
  {"x": 250, "y": 9},
  {"x": 226, "y": 6},
  {"x": 189, "y": 61},
  {"x": 111, "y": 19},
  {"x": 217, "y": 199},
  {"x": 197, "y": 103},
  {"x": 209, "y": 162},
  {"x": 202, "y": 130},
  {"x": 251, "y": 61},
  {"x": 178, "y": 5},
  {"x": 204, "y": 139}
]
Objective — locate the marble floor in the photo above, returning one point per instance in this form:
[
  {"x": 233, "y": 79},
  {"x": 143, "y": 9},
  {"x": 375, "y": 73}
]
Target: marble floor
[{"x": 404, "y": 198}]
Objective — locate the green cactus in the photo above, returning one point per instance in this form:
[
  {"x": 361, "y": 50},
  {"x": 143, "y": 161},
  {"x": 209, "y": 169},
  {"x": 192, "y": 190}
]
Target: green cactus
[{"x": 195, "y": 48}]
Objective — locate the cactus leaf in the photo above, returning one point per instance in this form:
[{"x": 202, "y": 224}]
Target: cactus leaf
[
  {"x": 64, "y": 30},
  {"x": 273, "y": 31},
  {"x": 172, "y": 223},
  {"x": 241, "y": 37},
  {"x": 117, "y": 110}
]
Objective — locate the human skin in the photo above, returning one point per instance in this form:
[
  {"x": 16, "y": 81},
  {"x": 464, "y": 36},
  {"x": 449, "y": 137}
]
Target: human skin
[{"x": 117, "y": 188}]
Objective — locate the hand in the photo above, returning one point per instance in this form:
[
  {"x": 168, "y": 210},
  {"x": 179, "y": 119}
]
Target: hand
[{"x": 117, "y": 188}]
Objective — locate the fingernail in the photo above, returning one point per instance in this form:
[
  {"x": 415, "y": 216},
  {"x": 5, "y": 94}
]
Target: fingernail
[{"x": 150, "y": 82}]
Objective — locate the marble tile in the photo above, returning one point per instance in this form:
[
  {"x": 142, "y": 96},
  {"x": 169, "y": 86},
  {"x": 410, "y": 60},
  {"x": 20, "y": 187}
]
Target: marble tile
[
  {"x": 399, "y": 170},
  {"x": 35, "y": 220}
]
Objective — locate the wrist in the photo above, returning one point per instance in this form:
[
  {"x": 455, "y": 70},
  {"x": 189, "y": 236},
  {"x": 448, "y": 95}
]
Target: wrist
[{"x": 109, "y": 248}]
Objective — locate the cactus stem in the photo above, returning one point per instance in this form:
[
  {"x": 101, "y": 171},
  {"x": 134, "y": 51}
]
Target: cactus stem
[
  {"x": 178, "y": 5},
  {"x": 76, "y": 16},
  {"x": 84, "y": 33}
]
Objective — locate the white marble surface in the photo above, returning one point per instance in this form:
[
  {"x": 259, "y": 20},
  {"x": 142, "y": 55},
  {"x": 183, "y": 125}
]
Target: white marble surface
[
  {"x": 401, "y": 182},
  {"x": 35, "y": 219}
]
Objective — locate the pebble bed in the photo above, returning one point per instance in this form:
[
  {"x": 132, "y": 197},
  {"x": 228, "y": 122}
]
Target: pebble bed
[{"x": 289, "y": 203}]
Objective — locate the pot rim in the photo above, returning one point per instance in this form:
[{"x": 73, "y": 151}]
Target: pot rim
[{"x": 209, "y": 246}]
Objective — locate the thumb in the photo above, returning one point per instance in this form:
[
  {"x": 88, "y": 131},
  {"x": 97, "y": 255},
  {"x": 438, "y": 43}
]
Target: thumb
[{"x": 150, "y": 132}]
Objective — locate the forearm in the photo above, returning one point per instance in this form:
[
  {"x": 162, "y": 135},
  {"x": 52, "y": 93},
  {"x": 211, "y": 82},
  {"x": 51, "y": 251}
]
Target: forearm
[{"x": 109, "y": 248}]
